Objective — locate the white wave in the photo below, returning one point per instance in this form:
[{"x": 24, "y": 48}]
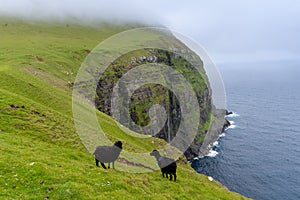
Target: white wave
[
  {"x": 222, "y": 135},
  {"x": 233, "y": 115},
  {"x": 231, "y": 122},
  {"x": 231, "y": 126},
  {"x": 216, "y": 143},
  {"x": 212, "y": 153}
]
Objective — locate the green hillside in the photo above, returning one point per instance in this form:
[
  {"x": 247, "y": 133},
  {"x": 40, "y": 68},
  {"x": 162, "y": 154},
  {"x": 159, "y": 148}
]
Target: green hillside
[{"x": 41, "y": 154}]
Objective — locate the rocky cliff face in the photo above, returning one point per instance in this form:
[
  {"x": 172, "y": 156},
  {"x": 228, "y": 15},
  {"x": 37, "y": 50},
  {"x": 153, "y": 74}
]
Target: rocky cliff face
[{"x": 154, "y": 94}]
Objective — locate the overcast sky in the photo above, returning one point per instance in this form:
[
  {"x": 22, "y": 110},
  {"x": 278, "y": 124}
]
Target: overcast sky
[{"x": 230, "y": 30}]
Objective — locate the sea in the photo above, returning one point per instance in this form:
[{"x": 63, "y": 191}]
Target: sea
[{"x": 259, "y": 154}]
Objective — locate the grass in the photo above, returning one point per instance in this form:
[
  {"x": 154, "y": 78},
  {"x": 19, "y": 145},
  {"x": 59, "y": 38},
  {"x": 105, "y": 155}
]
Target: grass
[
  {"x": 41, "y": 153},
  {"x": 72, "y": 175}
]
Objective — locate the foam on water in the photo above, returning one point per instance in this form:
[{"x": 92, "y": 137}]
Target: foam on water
[
  {"x": 212, "y": 153},
  {"x": 216, "y": 143},
  {"x": 222, "y": 135},
  {"x": 233, "y": 115},
  {"x": 231, "y": 127}
]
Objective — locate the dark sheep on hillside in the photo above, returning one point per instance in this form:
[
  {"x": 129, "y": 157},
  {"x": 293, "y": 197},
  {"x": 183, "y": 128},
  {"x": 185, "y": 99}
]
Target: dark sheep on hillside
[
  {"x": 167, "y": 165},
  {"x": 107, "y": 154}
]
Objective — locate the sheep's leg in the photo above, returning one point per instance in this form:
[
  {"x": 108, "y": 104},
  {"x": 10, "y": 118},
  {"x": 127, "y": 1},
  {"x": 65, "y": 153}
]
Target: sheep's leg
[
  {"x": 171, "y": 177},
  {"x": 97, "y": 162},
  {"x": 175, "y": 176},
  {"x": 113, "y": 164},
  {"x": 109, "y": 165},
  {"x": 102, "y": 164}
]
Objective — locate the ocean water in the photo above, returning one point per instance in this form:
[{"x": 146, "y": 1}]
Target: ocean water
[{"x": 259, "y": 156}]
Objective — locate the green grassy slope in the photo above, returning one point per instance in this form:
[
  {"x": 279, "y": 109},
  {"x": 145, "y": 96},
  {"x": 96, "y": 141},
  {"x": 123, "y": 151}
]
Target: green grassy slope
[{"x": 41, "y": 154}]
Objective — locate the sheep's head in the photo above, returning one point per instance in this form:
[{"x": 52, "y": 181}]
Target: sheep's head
[
  {"x": 155, "y": 153},
  {"x": 118, "y": 144}
]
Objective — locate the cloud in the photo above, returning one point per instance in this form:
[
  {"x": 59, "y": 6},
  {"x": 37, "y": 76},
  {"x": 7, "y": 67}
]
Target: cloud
[
  {"x": 243, "y": 30},
  {"x": 230, "y": 30},
  {"x": 116, "y": 11}
]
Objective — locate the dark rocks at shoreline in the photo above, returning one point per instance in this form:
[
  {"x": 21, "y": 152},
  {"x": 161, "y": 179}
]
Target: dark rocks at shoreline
[
  {"x": 229, "y": 112},
  {"x": 226, "y": 125}
]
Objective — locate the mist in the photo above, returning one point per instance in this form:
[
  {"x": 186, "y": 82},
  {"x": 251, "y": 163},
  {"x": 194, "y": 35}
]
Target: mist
[
  {"x": 230, "y": 31},
  {"x": 113, "y": 11}
]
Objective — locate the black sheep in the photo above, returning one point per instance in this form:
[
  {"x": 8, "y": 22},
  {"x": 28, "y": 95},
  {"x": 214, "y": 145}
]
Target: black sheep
[
  {"x": 167, "y": 165},
  {"x": 108, "y": 154}
]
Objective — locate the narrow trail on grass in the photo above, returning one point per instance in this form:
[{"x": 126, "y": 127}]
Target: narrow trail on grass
[{"x": 129, "y": 163}]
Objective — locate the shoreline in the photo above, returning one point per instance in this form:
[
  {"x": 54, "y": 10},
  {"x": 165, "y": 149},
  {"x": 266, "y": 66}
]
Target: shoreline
[{"x": 217, "y": 128}]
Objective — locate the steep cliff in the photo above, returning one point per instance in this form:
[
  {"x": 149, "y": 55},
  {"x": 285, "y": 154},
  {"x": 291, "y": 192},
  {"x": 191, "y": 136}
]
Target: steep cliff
[{"x": 152, "y": 94}]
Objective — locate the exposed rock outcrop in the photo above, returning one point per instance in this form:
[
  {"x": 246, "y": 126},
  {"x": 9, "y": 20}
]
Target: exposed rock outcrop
[{"x": 148, "y": 95}]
